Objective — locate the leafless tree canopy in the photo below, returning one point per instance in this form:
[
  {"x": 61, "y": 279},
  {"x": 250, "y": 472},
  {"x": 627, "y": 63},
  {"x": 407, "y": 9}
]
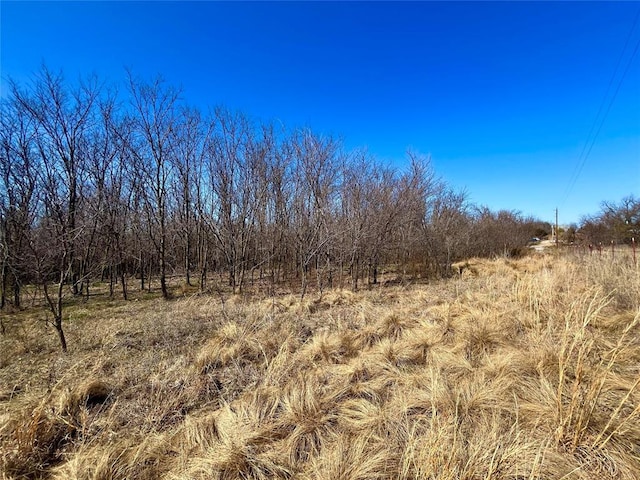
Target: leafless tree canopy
[
  {"x": 132, "y": 188},
  {"x": 617, "y": 222}
]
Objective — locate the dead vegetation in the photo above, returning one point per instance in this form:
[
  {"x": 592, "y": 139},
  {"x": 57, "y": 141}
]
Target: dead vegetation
[{"x": 524, "y": 369}]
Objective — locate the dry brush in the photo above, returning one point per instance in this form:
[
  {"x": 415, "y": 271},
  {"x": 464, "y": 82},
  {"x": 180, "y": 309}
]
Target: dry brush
[{"x": 515, "y": 369}]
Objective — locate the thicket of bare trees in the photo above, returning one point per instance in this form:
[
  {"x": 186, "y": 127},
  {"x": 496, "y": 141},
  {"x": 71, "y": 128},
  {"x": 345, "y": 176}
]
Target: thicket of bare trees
[
  {"x": 617, "y": 222},
  {"x": 94, "y": 187}
]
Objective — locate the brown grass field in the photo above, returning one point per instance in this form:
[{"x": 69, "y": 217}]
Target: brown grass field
[{"x": 516, "y": 370}]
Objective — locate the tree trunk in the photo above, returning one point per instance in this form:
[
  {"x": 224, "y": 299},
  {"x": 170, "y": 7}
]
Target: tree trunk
[
  {"x": 187, "y": 255},
  {"x": 149, "y": 274},
  {"x": 60, "y": 331},
  {"x": 124, "y": 283},
  {"x": 203, "y": 270},
  {"x": 163, "y": 254},
  {"x": 3, "y": 299},
  {"x": 141, "y": 273},
  {"x": 16, "y": 292},
  {"x": 355, "y": 273},
  {"x": 56, "y": 307},
  {"x": 240, "y": 272},
  {"x": 86, "y": 282},
  {"x": 74, "y": 283},
  {"x": 163, "y": 278}
]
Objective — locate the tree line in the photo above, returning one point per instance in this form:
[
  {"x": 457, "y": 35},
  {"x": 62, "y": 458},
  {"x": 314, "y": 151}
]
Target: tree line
[
  {"x": 134, "y": 186},
  {"x": 615, "y": 222}
]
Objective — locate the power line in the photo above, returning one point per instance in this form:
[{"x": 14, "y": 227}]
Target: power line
[
  {"x": 635, "y": 51},
  {"x": 593, "y": 141},
  {"x": 590, "y": 141}
]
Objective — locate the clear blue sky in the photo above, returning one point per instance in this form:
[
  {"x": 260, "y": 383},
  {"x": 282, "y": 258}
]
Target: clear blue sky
[{"x": 502, "y": 95}]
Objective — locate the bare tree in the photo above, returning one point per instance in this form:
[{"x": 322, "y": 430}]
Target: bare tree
[
  {"x": 356, "y": 210},
  {"x": 386, "y": 205},
  {"x": 622, "y": 219},
  {"x": 314, "y": 199},
  {"x": 501, "y": 233},
  {"x": 192, "y": 139},
  {"x": 237, "y": 167},
  {"x": 154, "y": 118},
  {"x": 417, "y": 190},
  {"x": 446, "y": 231},
  {"x": 18, "y": 196},
  {"x": 149, "y": 186},
  {"x": 111, "y": 184},
  {"x": 278, "y": 211},
  {"x": 62, "y": 117}
]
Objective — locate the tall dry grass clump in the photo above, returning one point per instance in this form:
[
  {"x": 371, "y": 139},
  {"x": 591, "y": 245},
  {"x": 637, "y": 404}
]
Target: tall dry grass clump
[{"x": 524, "y": 369}]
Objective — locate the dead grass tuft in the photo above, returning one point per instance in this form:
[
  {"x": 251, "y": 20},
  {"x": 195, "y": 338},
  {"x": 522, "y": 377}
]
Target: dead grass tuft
[
  {"x": 521, "y": 369},
  {"x": 41, "y": 438}
]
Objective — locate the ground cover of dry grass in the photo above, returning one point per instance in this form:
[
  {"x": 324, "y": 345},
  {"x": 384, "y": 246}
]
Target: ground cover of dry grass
[{"x": 515, "y": 369}]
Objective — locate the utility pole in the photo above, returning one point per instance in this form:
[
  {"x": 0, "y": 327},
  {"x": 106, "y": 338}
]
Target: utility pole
[{"x": 556, "y": 227}]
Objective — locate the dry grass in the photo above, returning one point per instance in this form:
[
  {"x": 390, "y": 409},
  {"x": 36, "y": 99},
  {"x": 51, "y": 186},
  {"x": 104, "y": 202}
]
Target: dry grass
[{"x": 524, "y": 369}]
